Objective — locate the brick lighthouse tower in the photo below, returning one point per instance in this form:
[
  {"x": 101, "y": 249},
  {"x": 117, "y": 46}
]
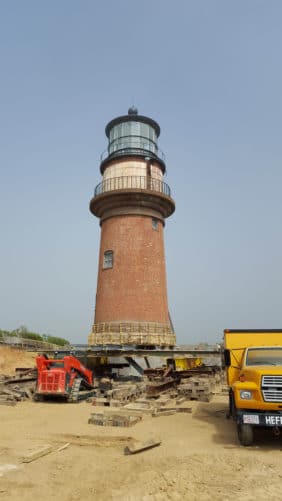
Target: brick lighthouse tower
[{"x": 132, "y": 202}]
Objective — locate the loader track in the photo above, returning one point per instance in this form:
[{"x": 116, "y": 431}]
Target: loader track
[{"x": 76, "y": 394}]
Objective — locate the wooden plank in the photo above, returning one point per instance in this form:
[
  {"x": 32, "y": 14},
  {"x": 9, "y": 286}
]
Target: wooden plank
[
  {"x": 32, "y": 456},
  {"x": 176, "y": 409},
  {"x": 138, "y": 446},
  {"x": 180, "y": 400},
  {"x": 165, "y": 412},
  {"x": 114, "y": 420},
  {"x": 63, "y": 447}
]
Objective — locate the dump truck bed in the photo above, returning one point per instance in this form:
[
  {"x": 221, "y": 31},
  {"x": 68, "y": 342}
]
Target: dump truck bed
[{"x": 244, "y": 338}]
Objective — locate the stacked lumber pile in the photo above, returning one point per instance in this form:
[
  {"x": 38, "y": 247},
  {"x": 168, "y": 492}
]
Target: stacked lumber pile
[
  {"x": 197, "y": 388},
  {"x": 119, "y": 393},
  {"x": 133, "y": 412},
  {"x": 116, "y": 394},
  {"x": 102, "y": 419}
]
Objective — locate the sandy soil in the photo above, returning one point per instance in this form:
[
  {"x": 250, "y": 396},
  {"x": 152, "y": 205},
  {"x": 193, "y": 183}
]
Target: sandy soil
[
  {"x": 199, "y": 457},
  {"x": 10, "y": 358}
]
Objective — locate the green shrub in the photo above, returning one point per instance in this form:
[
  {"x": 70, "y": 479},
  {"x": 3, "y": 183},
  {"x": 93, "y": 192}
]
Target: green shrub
[
  {"x": 11, "y": 333},
  {"x": 59, "y": 341},
  {"x": 32, "y": 335},
  {"x": 23, "y": 332},
  {"x": 6, "y": 333}
]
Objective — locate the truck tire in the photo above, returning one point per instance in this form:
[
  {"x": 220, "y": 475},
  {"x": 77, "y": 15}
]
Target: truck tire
[{"x": 245, "y": 434}]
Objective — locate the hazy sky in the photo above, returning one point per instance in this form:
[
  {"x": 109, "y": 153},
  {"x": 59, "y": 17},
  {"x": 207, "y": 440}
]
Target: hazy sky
[{"x": 210, "y": 73}]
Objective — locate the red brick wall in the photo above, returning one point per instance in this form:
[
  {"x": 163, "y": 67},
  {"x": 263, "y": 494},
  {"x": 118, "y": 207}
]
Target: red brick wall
[{"x": 135, "y": 288}]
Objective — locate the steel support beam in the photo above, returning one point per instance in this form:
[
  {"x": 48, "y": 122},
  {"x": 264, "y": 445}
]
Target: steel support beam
[
  {"x": 135, "y": 365},
  {"x": 147, "y": 362}
]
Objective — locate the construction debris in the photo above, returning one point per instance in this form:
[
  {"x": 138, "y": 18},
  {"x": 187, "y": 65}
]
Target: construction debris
[
  {"x": 160, "y": 385},
  {"x": 157, "y": 388},
  {"x": 199, "y": 388},
  {"x": 17, "y": 388},
  {"x": 154, "y": 398},
  {"x": 138, "y": 446},
  {"x": 192, "y": 384},
  {"x": 117, "y": 391},
  {"x": 101, "y": 419},
  {"x": 131, "y": 413}
]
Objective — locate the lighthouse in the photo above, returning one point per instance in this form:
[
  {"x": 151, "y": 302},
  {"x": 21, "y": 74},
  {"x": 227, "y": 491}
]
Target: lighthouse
[{"x": 132, "y": 202}]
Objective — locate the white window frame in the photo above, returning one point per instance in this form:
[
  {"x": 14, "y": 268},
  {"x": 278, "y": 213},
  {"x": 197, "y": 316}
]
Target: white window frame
[{"x": 108, "y": 259}]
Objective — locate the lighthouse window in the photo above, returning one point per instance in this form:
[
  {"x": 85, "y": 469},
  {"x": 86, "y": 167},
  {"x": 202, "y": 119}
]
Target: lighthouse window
[
  {"x": 108, "y": 259},
  {"x": 154, "y": 223}
]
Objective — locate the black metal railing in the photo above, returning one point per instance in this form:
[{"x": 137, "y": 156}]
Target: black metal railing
[
  {"x": 145, "y": 148},
  {"x": 24, "y": 343},
  {"x": 131, "y": 183}
]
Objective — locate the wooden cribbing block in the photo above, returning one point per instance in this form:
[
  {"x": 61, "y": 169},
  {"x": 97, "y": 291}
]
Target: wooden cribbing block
[
  {"x": 174, "y": 409},
  {"x": 165, "y": 412},
  {"x": 139, "y": 446},
  {"x": 37, "y": 454},
  {"x": 180, "y": 400}
]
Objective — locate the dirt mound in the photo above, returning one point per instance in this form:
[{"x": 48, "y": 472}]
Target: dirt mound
[{"x": 10, "y": 358}]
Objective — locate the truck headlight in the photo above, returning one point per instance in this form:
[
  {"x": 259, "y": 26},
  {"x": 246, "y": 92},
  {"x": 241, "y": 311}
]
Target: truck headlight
[{"x": 245, "y": 395}]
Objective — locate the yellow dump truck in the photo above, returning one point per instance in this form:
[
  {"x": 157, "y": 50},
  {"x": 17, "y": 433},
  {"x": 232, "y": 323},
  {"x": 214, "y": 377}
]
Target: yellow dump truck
[{"x": 253, "y": 360}]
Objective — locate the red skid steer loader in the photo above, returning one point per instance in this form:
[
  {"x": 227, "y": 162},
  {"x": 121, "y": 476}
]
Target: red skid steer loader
[{"x": 65, "y": 377}]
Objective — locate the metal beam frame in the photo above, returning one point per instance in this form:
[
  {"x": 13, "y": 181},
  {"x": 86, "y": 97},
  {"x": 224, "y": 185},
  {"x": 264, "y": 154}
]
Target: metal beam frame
[{"x": 122, "y": 351}]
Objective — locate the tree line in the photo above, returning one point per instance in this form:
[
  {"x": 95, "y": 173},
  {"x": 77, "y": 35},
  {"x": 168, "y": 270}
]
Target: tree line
[{"x": 25, "y": 333}]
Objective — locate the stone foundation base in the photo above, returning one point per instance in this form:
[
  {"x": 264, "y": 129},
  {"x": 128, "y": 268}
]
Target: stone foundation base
[{"x": 132, "y": 333}]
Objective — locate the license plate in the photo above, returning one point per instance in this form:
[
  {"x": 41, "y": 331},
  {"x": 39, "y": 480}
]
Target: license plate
[
  {"x": 273, "y": 420},
  {"x": 251, "y": 418}
]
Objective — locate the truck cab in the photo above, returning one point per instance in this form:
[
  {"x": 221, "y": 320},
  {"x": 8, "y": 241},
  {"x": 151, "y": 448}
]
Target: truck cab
[{"x": 253, "y": 360}]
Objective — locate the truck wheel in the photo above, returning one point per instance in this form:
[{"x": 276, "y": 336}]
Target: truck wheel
[{"x": 245, "y": 434}]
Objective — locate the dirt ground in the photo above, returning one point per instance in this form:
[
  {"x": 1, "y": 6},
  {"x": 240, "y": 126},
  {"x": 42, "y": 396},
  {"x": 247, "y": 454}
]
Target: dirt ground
[
  {"x": 10, "y": 358},
  {"x": 199, "y": 457}
]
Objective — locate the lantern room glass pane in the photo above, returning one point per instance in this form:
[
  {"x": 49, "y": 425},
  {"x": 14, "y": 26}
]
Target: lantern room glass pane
[{"x": 133, "y": 136}]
